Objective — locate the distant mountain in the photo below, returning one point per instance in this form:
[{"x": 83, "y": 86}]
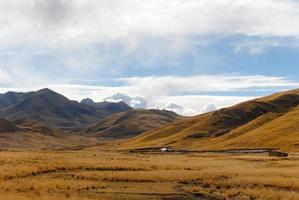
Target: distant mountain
[
  {"x": 271, "y": 122},
  {"x": 106, "y": 108},
  {"x": 87, "y": 101},
  {"x": 131, "y": 123},
  {"x": 48, "y": 107}
]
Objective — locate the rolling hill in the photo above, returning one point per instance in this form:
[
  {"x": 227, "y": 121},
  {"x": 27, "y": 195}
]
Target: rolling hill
[
  {"x": 272, "y": 122},
  {"x": 44, "y": 117},
  {"x": 131, "y": 123},
  {"x": 31, "y": 134},
  {"x": 48, "y": 107}
]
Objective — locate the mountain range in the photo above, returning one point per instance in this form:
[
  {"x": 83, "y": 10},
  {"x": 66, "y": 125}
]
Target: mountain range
[
  {"x": 45, "y": 118},
  {"x": 48, "y": 107}
]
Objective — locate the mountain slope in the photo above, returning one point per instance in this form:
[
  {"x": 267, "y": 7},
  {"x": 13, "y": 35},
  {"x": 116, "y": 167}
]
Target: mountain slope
[
  {"x": 280, "y": 132},
  {"x": 8, "y": 127},
  {"x": 265, "y": 122},
  {"x": 48, "y": 107},
  {"x": 131, "y": 123},
  {"x": 10, "y": 98}
]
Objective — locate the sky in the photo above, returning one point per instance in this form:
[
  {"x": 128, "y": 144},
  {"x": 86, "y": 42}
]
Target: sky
[{"x": 189, "y": 56}]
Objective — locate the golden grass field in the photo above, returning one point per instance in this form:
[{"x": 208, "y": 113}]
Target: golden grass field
[{"x": 97, "y": 174}]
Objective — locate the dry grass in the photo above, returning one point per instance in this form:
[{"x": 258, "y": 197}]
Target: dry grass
[
  {"x": 269, "y": 122},
  {"x": 95, "y": 174}
]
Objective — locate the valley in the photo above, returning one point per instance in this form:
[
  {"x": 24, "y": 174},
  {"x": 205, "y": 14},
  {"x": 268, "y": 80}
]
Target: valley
[
  {"x": 55, "y": 148},
  {"x": 149, "y": 100}
]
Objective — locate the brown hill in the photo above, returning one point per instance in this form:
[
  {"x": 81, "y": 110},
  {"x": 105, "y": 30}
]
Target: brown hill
[
  {"x": 30, "y": 134},
  {"x": 34, "y": 126},
  {"x": 131, "y": 123},
  {"x": 271, "y": 121}
]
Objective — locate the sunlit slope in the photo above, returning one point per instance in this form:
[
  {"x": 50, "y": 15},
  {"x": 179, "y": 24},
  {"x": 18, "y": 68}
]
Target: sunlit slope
[
  {"x": 281, "y": 132},
  {"x": 265, "y": 122}
]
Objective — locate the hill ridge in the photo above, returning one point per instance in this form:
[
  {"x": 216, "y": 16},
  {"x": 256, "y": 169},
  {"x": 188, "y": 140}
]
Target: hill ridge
[
  {"x": 226, "y": 127},
  {"x": 131, "y": 123}
]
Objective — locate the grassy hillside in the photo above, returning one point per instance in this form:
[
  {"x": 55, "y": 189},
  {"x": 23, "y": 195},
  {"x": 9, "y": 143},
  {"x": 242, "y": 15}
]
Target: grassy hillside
[
  {"x": 131, "y": 123},
  {"x": 272, "y": 121}
]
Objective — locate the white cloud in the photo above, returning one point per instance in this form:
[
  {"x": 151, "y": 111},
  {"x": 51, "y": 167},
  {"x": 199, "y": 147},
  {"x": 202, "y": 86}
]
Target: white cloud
[
  {"x": 134, "y": 102},
  {"x": 171, "y": 106},
  {"x": 258, "y": 46},
  {"x": 155, "y": 86},
  {"x": 44, "y": 42},
  {"x": 190, "y": 93},
  {"x": 63, "y": 22},
  {"x": 5, "y": 78},
  {"x": 201, "y": 107},
  {"x": 175, "y": 108},
  {"x": 160, "y": 92},
  {"x": 209, "y": 108},
  {"x": 196, "y": 104}
]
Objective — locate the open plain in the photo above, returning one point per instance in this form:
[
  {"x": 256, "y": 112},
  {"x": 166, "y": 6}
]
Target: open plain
[{"x": 94, "y": 173}]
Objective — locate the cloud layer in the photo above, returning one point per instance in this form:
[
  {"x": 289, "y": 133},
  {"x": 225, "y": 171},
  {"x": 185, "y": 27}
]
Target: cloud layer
[
  {"x": 63, "y": 22},
  {"x": 154, "y": 50},
  {"x": 42, "y": 41}
]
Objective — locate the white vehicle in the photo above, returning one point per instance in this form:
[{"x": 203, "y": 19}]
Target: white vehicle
[{"x": 165, "y": 149}]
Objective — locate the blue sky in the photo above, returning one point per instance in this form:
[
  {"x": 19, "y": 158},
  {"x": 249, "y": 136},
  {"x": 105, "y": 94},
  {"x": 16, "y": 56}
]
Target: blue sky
[{"x": 190, "y": 56}]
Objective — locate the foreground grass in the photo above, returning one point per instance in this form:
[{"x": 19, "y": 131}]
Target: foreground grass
[{"x": 94, "y": 174}]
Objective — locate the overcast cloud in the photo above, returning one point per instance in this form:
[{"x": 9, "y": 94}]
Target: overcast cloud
[
  {"x": 65, "y": 22},
  {"x": 191, "y": 56}
]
